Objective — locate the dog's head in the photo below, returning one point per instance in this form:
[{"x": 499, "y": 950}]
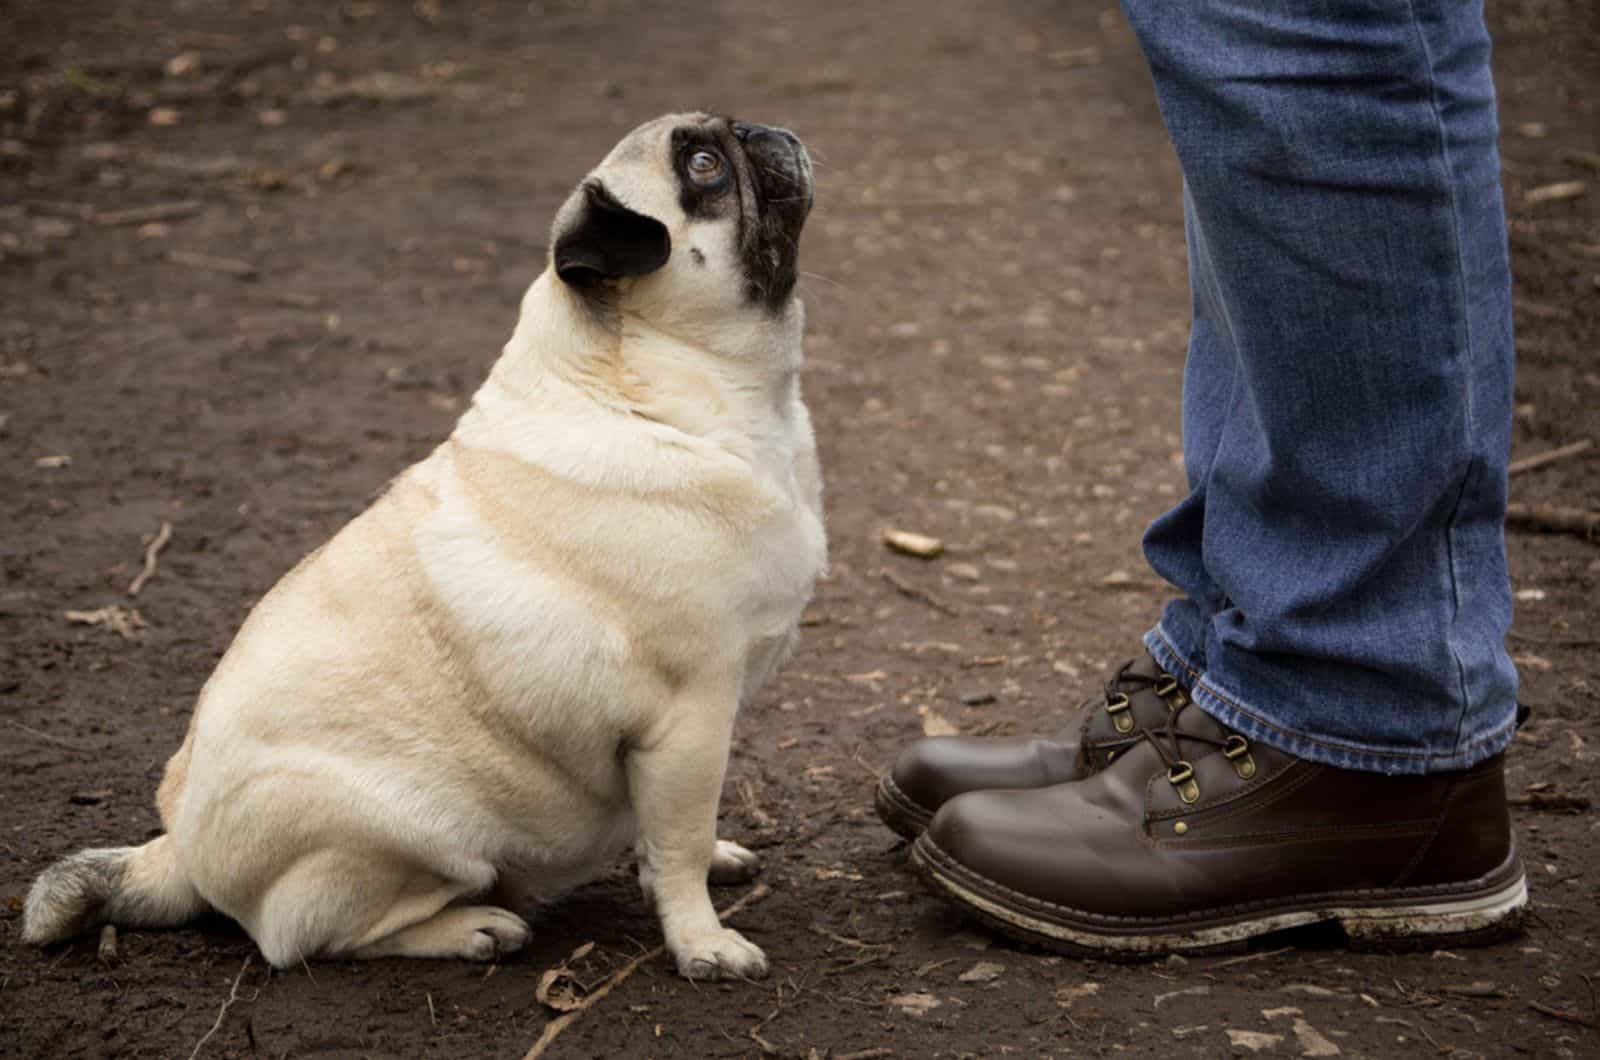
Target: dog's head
[{"x": 690, "y": 211}]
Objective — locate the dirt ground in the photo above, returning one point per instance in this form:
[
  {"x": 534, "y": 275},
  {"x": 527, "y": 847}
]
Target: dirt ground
[{"x": 342, "y": 203}]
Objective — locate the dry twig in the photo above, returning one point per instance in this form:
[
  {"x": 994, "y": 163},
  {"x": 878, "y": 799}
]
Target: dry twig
[
  {"x": 553, "y": 1029},
  {"x": 911, "y": 592},
  {"x": 58, "y": 741},
  {"x": 153, "y": 550},
  {"x": 125, "y": 622},
  {"x": 1550, "y": 456},
  {"x": 1561, "y": 1014},
  {"x": 1552, "y": 519},
  {"x": 227, "y": 1003},
  {"x": 138, "y": 215}
]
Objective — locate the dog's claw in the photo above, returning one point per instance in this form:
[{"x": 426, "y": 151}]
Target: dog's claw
[{"x": 724, "y": 955}]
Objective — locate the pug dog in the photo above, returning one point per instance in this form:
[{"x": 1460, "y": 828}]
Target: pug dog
[{"x": 527, "y": 654}]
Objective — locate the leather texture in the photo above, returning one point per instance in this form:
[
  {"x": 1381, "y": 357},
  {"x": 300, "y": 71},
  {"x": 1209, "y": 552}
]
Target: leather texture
[
  {"x": 1186, "y": 825},
  {"x": 931, "y": 771}
]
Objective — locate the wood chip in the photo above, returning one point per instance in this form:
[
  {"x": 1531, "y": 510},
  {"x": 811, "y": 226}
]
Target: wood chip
[
  {"x": 1566, "y": 189},
  {"x": 912, "y": 544},
  {"x": 231, "y": 266},
  {"x": 1254, "y": 1041},
  {"x": 1312, "y": 1041},
  {"x": 917, "y": 1004},
  {"x": 935, "y": 724},
  {"x": 982, "y": 972}
]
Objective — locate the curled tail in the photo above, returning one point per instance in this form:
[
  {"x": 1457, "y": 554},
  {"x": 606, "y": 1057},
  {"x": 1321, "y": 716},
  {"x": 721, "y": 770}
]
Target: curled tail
[{"x": 129, "y": 886}]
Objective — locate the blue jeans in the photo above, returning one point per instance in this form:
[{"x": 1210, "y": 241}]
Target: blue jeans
[{"x": 1347, "y": 398}]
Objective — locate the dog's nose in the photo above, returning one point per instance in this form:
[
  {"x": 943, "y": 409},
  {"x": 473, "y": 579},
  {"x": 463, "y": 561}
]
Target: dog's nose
[{"x": 749, "y": 131}]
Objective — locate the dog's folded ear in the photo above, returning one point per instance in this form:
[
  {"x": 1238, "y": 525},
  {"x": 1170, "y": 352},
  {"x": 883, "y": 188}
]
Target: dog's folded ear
[{"x": 604, "y": 240}]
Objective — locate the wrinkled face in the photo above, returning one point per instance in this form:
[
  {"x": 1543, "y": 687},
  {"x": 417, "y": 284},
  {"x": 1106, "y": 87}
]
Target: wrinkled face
[{"x": 704, "y": 207}]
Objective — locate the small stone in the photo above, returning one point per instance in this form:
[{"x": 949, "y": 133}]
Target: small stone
[
  {"x": 164, "y": 116},
  {"x": 977, "y": 699}
]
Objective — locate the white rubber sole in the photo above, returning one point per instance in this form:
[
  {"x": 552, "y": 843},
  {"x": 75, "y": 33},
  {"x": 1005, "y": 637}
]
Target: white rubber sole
[{"x": 1397, "y": 923}]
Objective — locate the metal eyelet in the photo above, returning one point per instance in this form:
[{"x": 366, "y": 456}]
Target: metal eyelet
[
  {"x": 1237, "y": 751},
  {"x": 1169, "y": 692},
  {"x": 1117, "y": 706},
  {"x": 1181, "y": 776}
]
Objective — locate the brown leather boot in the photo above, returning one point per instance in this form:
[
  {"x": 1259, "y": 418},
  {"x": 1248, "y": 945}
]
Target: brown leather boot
[
  {"x": 1198, "y": 839},
  {"x": 932, "y": 771}
]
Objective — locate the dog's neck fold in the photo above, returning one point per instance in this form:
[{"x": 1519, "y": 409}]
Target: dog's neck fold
[{"x": 723, "y": 385}]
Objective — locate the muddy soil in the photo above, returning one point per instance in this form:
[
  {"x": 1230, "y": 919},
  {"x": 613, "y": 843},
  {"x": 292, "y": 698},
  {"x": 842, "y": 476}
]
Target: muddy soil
[{"x": 343, "y": 203}]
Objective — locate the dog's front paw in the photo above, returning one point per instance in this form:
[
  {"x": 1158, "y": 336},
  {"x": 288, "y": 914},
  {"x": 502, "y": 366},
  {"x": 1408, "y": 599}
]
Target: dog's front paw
[
  {"x": 723, "y": 954},
  {"x": 732, "y": 863}
]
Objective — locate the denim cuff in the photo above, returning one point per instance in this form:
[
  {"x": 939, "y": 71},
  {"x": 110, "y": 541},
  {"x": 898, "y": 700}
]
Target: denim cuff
[{"x": 1255, "y": 722}]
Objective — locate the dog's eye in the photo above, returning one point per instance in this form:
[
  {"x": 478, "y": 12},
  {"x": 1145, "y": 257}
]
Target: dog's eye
[{"x": 705, "y": 167}]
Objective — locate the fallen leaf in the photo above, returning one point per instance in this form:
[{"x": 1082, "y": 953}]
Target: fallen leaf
[{"x": 558, "y": 988}]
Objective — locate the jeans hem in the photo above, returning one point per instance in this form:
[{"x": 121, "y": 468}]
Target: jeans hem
[{"x": 1256, "y": 724}]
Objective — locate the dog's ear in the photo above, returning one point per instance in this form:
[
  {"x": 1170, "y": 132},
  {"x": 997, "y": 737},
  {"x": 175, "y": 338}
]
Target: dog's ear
[{"x": 606, "y": 241}]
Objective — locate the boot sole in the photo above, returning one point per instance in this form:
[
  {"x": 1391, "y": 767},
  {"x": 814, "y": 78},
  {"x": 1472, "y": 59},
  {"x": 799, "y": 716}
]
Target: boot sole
[
  {"x": 897, "y": 810},
  {"x": 1475, "y": 912}
]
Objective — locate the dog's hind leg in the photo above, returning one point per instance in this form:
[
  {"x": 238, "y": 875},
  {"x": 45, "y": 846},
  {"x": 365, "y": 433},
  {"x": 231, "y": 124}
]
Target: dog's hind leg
[
  {"x": 732, "y": 863},
  {"x": 341, "y": 903}
]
